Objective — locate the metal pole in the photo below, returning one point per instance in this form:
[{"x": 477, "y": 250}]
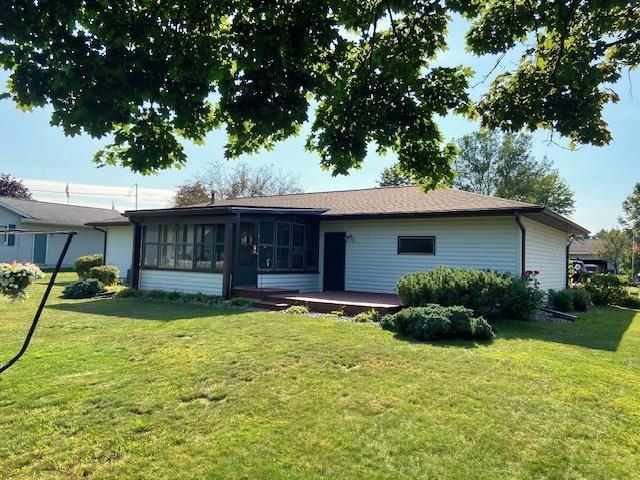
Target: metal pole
[{"x": 34, "y": 324}]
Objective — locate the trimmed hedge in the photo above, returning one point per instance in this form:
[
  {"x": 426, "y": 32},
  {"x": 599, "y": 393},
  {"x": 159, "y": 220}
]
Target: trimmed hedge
[
  {"x": 486, "y": 293},
  {"x": 605, "y": 289},
  {"x": 435, "y": 322},
  {"x": 82, "y": 265},
  {"x": 83, "y": 289},
  {"x": 107, "y": 274},
  {"x": 561, "y": 300}
]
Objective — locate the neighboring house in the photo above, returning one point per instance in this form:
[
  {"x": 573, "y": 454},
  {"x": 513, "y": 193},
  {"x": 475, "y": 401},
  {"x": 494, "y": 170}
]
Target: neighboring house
[
  {"x": 43, "y": 248},
  {"x": 357, "y": 240},
  {"x": 585, "y": 250}
]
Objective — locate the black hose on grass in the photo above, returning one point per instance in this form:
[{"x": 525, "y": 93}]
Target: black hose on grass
[{"x": 52, "y": 280}]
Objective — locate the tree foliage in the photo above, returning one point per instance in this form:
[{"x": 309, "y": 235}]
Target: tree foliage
[
  {"x": 190, "y": 193},
  {"x": 502, "y": 165},
  {"x": 151, "y": 73},
  {"x": 631, "y": 210},
  {"x": 613, "y": 245},
  {"x": 239, "y": 180},
  {"x": 393, "y": 176},
  {"x": 13, "y": 187}
]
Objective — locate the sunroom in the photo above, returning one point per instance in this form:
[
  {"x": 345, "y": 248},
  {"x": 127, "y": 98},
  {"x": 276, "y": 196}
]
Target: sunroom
[{"x": 214, "y": 249}]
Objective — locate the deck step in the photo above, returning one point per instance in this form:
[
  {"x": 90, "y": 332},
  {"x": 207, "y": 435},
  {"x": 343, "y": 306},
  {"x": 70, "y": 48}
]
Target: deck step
[
  {"x": 261, "y": 293},
  {"x": 324, "y": 306},
  {"x": 265, "y": 305}
]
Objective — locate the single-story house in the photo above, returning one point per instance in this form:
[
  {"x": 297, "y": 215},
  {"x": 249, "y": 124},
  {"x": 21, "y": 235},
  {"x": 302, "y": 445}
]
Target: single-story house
[
  {"x": 585, "y": 249},
  {"x": 44, "y": 248},
  {"x": 356, "y": 240}
]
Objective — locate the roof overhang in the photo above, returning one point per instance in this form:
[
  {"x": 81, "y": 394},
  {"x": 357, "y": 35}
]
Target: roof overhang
[
  {"x": 221, "y": 210},
  {"x": 536, "y": 213},
  {"x": 14, "y": 210},
  {"x": 110, "y": 223}
]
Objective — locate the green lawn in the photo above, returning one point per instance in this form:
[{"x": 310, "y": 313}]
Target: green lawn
[{"x": 133, "y": 389}]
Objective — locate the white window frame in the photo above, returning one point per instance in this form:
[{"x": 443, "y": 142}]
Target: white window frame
[{"x": 4, "y": 237}]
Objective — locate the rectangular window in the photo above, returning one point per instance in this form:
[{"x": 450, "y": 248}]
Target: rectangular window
[
  {"x": 416, "y": 245},
  {"x": 218, "y": 253},
  {"x": 167, "y": 246},
  {"x": 203, "y": 257},
  {"x": 150, "y": 245},
  {"x": 283, "y": 243},
  {"x": 297, "y": 247},
  {"x": 4, "y": 237},
  {"x": 184, "y": 247},
  {"x": 311, "y": 249},
  {"x": 266, "y": 240}
]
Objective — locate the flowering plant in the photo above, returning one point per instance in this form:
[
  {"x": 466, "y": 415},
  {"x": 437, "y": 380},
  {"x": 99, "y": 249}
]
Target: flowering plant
[{"x": 15, "y": 278}]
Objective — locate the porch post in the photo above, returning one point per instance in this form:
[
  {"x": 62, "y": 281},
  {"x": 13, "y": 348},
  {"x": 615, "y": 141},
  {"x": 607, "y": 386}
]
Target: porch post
[
  {"x": 135, "y": 264},
  {"x": 227, "y": 266}
]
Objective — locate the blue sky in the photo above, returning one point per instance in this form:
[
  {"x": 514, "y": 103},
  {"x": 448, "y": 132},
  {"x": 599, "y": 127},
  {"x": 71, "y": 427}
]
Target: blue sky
[{"x": 47, "y": 160}]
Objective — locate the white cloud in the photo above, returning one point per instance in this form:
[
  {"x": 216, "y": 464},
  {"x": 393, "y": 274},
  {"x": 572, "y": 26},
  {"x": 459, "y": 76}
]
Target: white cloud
[{"x": 123, "y": 197}]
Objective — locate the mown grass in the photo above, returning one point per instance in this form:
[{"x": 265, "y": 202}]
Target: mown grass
[{"x": 137, "y": 389}]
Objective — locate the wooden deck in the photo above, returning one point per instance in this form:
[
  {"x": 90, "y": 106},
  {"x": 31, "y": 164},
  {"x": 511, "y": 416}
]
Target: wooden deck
[{"x": 351, "y": 302}]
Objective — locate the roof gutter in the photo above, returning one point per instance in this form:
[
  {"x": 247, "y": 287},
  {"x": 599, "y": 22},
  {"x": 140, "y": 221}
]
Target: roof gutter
[
  {"x": 104, "y": 248},
  {"x": 523, "y": 243}
]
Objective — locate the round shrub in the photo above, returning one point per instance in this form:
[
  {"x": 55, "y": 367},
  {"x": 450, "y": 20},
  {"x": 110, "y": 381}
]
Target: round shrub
[
  {"x": 604, "y": 289},
  {"x": 296, "y": 310},
  {"x": 520, "y": 300},
  {"x": 107, "y": 274},
  {"x": 367, "y": 317},
  {"x": 82, "y": 265},
  {"x": 83, "y": 289},
  {"x": 581, "y": 299},
  {"x": 129, "y": 293},
  {"x": 561, "y": 300},
  {"x": 435, "y": 322}
]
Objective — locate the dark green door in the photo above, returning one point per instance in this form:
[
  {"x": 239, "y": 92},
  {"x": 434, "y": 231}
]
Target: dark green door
[
  {"x": 246, "y": 274},
  {"x": 40, "y": 249}
]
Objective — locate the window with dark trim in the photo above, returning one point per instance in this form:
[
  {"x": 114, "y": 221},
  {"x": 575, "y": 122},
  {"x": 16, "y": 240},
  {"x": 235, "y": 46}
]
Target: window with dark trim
[
  {"x": 416, "y": 245},
  {"x": 287, "y": 247},
  {"x": 184, "y": 247}
]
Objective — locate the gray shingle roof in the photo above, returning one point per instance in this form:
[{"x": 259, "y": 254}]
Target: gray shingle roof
[
  {"x": 584, "y": 247},
  {"x": 389, "y": 200},
  {"x": 56, "y": 213}
]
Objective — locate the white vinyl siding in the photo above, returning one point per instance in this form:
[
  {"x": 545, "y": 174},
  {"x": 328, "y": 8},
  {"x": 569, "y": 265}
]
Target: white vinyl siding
[
  {"x": 546, "y": 252},
  {"x": 373, "y": 263},
  {"x": 304, "y": 282},
  {"x": 120, "y": 248},
  {"x": 16, "y": 252},
  {"x": 178, "y": 281},
  {"x": 87, "y": 242}
]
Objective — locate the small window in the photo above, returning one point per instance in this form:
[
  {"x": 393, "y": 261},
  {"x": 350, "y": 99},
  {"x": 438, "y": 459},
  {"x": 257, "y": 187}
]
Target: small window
[
  {"x": 4, "y": 237},
  {"x": 416, "y": 245}
]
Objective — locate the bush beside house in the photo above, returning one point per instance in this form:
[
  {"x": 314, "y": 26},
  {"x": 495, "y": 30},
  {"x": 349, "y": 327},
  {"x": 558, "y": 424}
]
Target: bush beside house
[
  {"x": 107, "y": 274},
  {"x": 83, "y": 289},
  {"x": 83, "y": 265},
  {"x": 484, "y": 292}
]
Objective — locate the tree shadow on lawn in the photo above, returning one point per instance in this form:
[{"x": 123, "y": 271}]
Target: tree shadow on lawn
[
  {"x": 600, "y": 329},
  {"x": 138, "y": 309}
]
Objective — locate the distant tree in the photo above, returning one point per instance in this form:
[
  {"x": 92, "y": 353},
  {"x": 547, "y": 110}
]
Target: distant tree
[
  {"x": 613, "y": 246},
  {"x": 236, "y": 180},
  {"x": 13, "y": 187},
  {"x": 630, "y": 220},
  {"x": 191, "y": 193},
  {"x": 631, "y": 210},
  {"x": 502, "y": 165},
  {"x": 393, "y": 176}
]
